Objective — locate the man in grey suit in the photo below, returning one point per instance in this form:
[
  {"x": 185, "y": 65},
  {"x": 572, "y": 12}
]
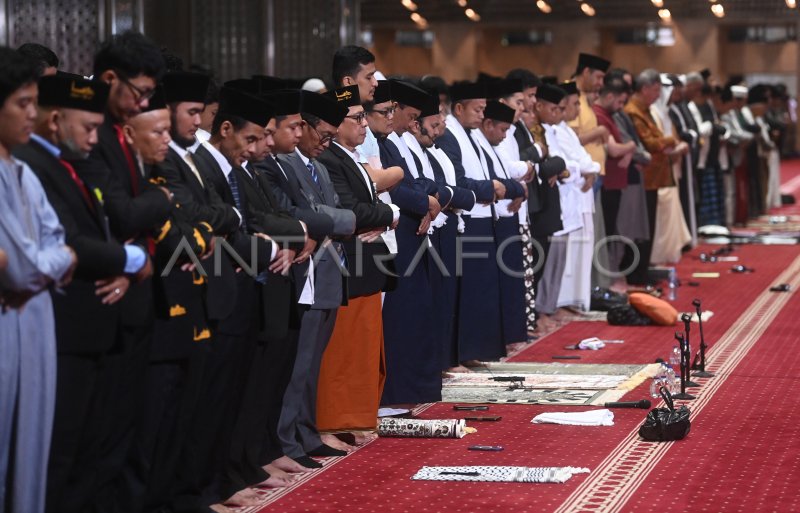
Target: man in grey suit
[{"x": 307, "y": 185}]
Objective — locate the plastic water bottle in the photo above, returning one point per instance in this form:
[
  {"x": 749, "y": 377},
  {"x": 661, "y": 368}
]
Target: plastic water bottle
[
  {"x": 675, "y": 360},
  {"x": 672, "y": 283},
  {"x": 671, "y": 380}
]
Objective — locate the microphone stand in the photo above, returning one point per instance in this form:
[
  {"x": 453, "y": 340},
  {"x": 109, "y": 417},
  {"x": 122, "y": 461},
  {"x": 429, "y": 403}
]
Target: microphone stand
[
  {"x": 687, "y": 321},
  {"x": 701, "y": 367},
  {"x": 684, "y": 368}
]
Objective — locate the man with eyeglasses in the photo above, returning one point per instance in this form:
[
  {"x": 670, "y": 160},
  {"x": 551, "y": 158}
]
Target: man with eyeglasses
[
  {"x": 311, "y": 189},
  {"x": 351, "y": 376},
  {"x": 130, "y": 64}
]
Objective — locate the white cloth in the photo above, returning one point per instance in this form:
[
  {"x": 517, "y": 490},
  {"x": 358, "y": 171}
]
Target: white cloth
[
  {"x": 499, "y": 474},
  {"x": 576, "y": 282},
  {"x": 570, "y": 200},
  {"x": 508, "y": 150},
  {"x": 307, "y": 295},
  {"x": 402, "y": 147},
  {"x": 474, "y": 163},
  {"x": 499, "y": 170},
  {"x": 449, "y": 176},
  {"x": 602, "y": 417}
]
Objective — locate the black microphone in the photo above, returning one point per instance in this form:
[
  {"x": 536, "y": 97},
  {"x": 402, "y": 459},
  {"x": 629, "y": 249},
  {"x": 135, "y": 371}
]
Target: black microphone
[
  {"x": 508, "y": 378},
  {"x": 643, "y": 404}
]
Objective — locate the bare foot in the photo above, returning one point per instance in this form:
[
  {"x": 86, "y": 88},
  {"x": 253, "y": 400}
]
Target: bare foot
[
  {"x": 362, "y": 437},
  {"x": 333, "y": 441},
  {"x": 274, "y": 471},
  {"x": 246, "y": 497},
  {"x": 517, "y": 346},
  {"x": 274, "y": 482},
  {"x": 459, "y": 368},
  {"x": 219, "y": 508},
  {"x": 287, "y": 464}
]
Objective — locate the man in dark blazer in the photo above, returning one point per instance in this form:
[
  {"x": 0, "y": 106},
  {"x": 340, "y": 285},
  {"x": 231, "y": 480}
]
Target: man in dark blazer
[
  {"x": 88, "y": 310},
  {"x": 131, "y": 65},
  {"x": 307, "y": 185},
  {"x": 263, "y": 299}
]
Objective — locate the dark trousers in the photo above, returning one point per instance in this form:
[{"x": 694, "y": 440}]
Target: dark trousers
[
  {"x": 254, "y": 440},
  {"x": 541, "y": 247},
  {"x": 645, "y": 248}
]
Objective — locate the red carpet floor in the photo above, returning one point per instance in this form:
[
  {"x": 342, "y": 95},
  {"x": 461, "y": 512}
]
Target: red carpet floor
[{"x": 743, "y": 453}]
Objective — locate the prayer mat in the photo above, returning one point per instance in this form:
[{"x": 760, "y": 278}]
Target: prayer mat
[
  {"x": 499, "y": 474},
  {"x": 423, "y": 428},
  {"x": 545, "y": 383}
]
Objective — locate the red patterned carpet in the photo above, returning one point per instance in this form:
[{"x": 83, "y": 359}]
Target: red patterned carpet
[{"x": 743, "y": 452}]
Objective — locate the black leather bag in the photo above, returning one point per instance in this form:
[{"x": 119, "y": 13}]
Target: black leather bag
[
  {"x": 626, "y": 315},
  {"x": 603, "y": 299},
  {"x": 666, "y": 424}
]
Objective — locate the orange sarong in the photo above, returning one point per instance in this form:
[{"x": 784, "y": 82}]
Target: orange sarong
[{"x": 353, "y": 368}]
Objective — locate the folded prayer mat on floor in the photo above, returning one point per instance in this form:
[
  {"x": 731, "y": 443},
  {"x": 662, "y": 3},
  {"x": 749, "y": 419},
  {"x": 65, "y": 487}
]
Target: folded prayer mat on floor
[
  {"x": 602, "y": 417},
  {"x": 421, "y": 428},
  {"x": 499, "y": 474}
]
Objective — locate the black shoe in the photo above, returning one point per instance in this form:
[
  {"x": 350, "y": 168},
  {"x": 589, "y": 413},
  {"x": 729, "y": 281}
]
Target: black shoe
[
  {"x": 307, "y": 462},
  {"x": 325, "y": 450}
]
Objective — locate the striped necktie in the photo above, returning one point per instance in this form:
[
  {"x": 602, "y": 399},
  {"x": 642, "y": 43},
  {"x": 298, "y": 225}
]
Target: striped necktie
[
  {"x": 234, "y": 183},
  {"x": 314, "y": 175}
]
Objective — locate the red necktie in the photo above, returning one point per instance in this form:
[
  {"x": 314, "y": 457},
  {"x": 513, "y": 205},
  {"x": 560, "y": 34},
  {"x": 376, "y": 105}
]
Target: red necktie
[
  {"x": 129, "y": 158},
  {"x": 79, "y": 183}
]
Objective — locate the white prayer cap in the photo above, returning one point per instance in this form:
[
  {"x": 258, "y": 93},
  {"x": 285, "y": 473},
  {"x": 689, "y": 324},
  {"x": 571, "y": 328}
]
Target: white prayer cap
[
  {"x": 314, "y": 85},
  {"x": 739, "y": 91},
  {"x": 379, "y": 76}
]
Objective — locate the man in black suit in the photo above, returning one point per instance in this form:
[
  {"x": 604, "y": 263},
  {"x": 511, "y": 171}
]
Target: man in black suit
[
  {"x": 130, "y": 65},
  {"x": 351, "y": 379},
  {"x": 263, "y": 298},
  {"x": 88, "y": 312}
]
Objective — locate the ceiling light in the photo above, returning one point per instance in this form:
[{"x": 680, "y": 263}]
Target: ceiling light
[
  {"x": 544, "y": 6},
  {"x": 587, "y": 9},
  {"x": 658, "y": 3},
  {"x": 409, "y": 4},
  {"x": 462, "y": 3},
  {"x": 791, "y": 4},
  {"x": 718, "y": 10},
  {"x": 419, "y": 20},
  {"x": 471, "y": 14},
  {"x": 664, "y": 14}
]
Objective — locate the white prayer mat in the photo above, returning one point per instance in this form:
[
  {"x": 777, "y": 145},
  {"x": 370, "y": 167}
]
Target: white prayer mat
[
  {"x": 546, "y": 383},
  {"x": 602, "y": 417},
  {"x": 499, "y": 474}
]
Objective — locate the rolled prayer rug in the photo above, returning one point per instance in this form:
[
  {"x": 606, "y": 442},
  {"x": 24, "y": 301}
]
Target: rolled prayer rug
[{"x": 418, "y": 428}]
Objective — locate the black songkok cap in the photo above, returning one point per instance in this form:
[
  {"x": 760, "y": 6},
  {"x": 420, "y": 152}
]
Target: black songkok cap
[
  {"x": 408, "y": 94},
  {"x": 284, "y": 102},
  {"x": 157, "y": 101},
  {"x": 503, "y": 88},
  {"x": 323, "y": 107},
  {"x": 73, "y": 92},
  {"x": 267, "y": 83},
  {"x": 234, "y": 102},
  {"x": 499, "y": 112},
  {"x": 185, "y": 86},
  {"x": 247, "y": 85},
  {"x": 347, "y": 96},
  {"x": 550, "y": 93},
  {"x": 383, "y": 93},
  {"x": 569, "y": 88},
  {"x": 587, "y": 60},
  {"x": 468, "y": 91},
  {"x": 431, "y": 106},
  {"x": 757, "y": 94},
  {"x": 705, "y": 73}
]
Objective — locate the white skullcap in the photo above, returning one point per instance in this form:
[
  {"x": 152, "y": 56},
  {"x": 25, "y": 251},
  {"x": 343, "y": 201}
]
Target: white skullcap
[
  {"x": 314, "y": 85},
  {"x": 739, "y": 91}
]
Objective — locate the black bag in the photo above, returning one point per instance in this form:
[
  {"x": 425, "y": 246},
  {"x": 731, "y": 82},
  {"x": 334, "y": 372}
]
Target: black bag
[
  {"x": 626, "y": 315},
  {"x": 665, "y": 424},
  {"x": 603, "y": 299}
]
